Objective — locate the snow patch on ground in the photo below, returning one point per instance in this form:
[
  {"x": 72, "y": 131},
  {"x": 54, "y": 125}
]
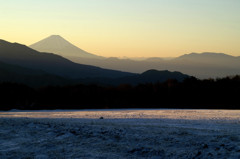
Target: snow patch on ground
[{"x": 121, "y": 134}]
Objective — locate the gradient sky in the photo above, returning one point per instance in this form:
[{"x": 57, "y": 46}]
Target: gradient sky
[{"x": 133, "y": 28}]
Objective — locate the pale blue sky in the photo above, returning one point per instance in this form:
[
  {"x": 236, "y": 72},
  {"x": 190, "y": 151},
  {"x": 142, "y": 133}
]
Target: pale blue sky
[{"x": 127, "y": 27}]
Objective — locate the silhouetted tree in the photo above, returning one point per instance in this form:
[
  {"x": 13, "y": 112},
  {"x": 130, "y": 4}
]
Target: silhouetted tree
[{"x": 221, "y": 93}]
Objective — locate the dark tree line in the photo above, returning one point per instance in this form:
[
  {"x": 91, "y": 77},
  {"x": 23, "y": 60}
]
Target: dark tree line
[{"x": 191, "y": 93}]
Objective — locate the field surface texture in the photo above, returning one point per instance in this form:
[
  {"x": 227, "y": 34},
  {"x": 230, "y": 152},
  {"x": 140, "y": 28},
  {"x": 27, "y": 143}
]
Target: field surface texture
[{"x": 120, "y": 134}]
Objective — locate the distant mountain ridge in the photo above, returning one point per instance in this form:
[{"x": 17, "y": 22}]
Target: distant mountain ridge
[
  {"x": 207, "y": 56},
  {"x": 21, "y": 55},
  {"x": 58, "y": 45},
  {"x": 21, "y": 64},
  {"x": 201, "y": 65}
]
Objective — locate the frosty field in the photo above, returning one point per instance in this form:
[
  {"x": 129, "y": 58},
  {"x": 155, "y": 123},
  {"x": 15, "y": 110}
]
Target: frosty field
[{"x": 130, "y": 134}]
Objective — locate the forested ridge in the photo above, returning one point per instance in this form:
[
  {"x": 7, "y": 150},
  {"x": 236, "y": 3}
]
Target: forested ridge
[{"x": 222, "y": 93}]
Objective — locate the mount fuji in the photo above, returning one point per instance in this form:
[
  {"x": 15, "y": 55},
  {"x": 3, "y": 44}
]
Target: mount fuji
[{"x": 58, "y": 45}]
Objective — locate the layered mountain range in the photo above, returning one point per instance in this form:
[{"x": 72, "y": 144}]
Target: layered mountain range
[
  {"x": 17, "y": 54},
  {"x": 19, "y": 63},
  {"x": 201, "y": 65}
]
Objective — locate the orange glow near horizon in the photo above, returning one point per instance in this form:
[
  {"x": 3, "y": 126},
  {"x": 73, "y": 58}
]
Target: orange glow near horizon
[{"x": 136, "y": 28}]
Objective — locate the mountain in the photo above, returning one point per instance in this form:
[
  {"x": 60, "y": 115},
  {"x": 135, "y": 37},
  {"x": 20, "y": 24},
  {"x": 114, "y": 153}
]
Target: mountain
[
  {"x": 200, "y": 65},
  {"x": 21, "y": 55},
  {"x": 153, "y": 76},
  {"x": 162, "y": 76},
  {"x": 207, "y": 64},
  {"x": 150, "y": 76},
  {"x": 21, "y": 64},
  {"x": 207, "y": 57},
  {"x": 8, "y": 68},
  {"x": 58, "y": 45},
  {"x": 30, "y": 77},
  {"x": 38, "y": 78}
]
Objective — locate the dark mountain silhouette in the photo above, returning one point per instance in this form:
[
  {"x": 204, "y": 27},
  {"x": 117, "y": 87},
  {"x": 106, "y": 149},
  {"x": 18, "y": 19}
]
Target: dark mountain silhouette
[
  {"x": 19, "y": 70},
  {"x": 208, "y": 64},
  {"x": 154, "y": 76},
  {"x": 162, "y": 76},
  {"x": 38, "y": 78},
  {"x": 150, "y": 76},
  {"x": 21, "y": 55},
  {"x": 58, "y": 45},
  {"x": 204, "y": 65},
  {"x": 30, "y": 77}
]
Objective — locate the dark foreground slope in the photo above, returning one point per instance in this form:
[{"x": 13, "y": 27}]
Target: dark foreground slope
[
  {"x": 191, "y": 93},
  {"x": 30, "y": 77},
  {"x": 17, "y": 54},
  {"x": 37, "y": 78},
  {"x": 150, "y": 76}
]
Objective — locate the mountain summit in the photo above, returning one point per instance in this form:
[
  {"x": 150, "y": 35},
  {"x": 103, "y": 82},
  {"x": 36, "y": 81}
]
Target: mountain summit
[{"x": 58, "y": 45}]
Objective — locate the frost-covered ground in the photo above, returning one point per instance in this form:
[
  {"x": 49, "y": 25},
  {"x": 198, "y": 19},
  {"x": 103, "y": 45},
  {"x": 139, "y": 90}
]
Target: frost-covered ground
[{"x": 121, "y": 134}]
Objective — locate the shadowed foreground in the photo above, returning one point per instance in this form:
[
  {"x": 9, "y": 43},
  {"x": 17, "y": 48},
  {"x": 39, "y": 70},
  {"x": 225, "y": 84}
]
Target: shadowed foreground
[
  {"x": 191, "y": 94},
  {"x": 206, "y": 136}
]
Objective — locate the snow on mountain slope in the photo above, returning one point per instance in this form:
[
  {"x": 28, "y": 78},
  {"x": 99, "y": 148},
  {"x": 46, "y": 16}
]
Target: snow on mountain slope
[{"x": 58, "y": 45}]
